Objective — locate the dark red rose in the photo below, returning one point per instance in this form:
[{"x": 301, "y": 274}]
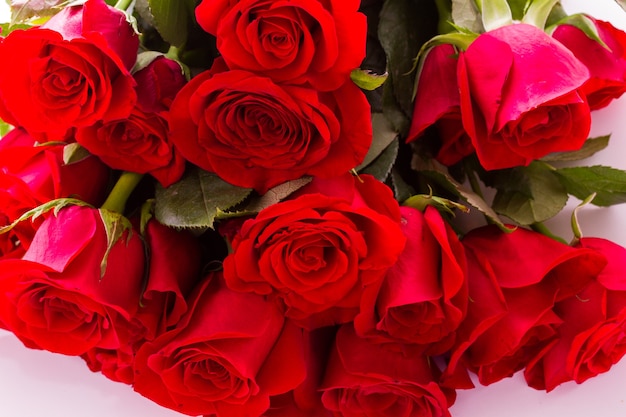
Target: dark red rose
[
  {"x": 70, "y": 72},
  {"x": 173, "y": 271},
  {"x": 606, "y": 63},
  {"x": 314, "y": 41},
  {"x": 423, "y": 298},
  {"x": 514, "y": 280},
  {"x": 254, "y": 133},
  {"x": 520, "y": 97},
  {"x": 364, "y": 379},
  {"x": 319, "y": 250},
  {"x": 140, "y": 143},
  {"x": 438, "y": 103},
  {"x": 227, "y": 357},
  {"x": 32, "y": 175},
  {"x": 592, "y": 337},
  {"x": 58, "y": 298}
]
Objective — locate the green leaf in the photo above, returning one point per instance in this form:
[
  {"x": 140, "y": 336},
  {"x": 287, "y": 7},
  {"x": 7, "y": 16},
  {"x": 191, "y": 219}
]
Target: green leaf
[
  {"x": 583, "y": 23},
  {"x": 73, "y": 153},
  {"x": 440, "y": 175},
  {"x": 518, "y": 8},
  {"x": 538, "y": 12},
  {"x": 172, "y": 19},
  {"x": 465, "y": 14},
  {"x": 10, "y": 27},
  {"x": 4, "y": 128},
  {"x": 383, "y": 134},
  {"x": 115, "y": 225},
  {"x": 608, "y": 183},
  {"x": 381, "y": 167},
  {"x": 196, "y": 200},
  {"x": 529, "y": 194},
  {"x": 368, "y": 80},
  {"x": 404, "y": 26},
  {"x": 495, "y": 14},
  {"x": 54, "y": 205},
  {"x": 272, "y": 196},
  {"x": 591, "y": 146}
]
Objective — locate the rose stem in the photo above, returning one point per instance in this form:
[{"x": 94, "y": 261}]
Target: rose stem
[
  {"x": 116, "y": 201},
  {"x": 122, "y": 4}
]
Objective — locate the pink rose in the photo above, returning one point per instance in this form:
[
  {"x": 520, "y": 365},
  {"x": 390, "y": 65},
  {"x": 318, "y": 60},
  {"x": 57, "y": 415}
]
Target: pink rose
[{"x": 520, "y": 96}]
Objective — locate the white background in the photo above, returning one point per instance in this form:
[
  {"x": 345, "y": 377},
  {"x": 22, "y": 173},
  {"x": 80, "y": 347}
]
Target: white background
[{"x": 35, "y": 383}]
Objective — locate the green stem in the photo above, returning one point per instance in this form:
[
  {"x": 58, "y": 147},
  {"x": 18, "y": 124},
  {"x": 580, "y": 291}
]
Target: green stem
[
  {"x": 123, "y": 188},
  {"x": 541, "y": 228},
  {"x": 172, "y": 53},
  {"x": 123, "y": 4}
]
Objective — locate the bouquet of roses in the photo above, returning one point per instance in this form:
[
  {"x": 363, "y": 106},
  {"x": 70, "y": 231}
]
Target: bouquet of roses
[{"x": 250, "y": 207}]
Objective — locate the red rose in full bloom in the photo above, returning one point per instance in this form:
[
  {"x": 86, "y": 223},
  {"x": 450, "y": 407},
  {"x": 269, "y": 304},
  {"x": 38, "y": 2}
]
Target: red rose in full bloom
[
  {"x": 364, "y": 379},
  {"x": 592, "y": 337},
  {"x": 520, "y": 96},
  {"x": 33, "y": 175},
  {"x": 254, "y": 133},
  {"x": 56, "y": 297},
  {"x": 228, "y": 356},
  {"x": 438, "y": 103},
  {"x": 319, "y": 250},
  {"x": 71, "y": 72},
  {"x": 423, "y": 298},
  {"x": 515, "y": 279},
  {"x": 314, "y": 41},
  {"x": 606, "y": 64}
]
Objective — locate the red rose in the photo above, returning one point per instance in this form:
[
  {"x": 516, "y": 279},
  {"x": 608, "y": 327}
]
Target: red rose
[
  {"x": 317, "y": 251},
  {"x": 33, "y": 175},
  {"x": 254, "y": 133},
  {"x": 592, "y": 337},
  {"x": 438, "y": 103},
  {"x": 314, "y": 41},
  {"x": 173, "y": 269},
  {"x": 70, "y": 72},
  {"x": 158, "y": 83},
  {"x": 514, "y": 280},
  {"x": 423, "y": 297},
  {"x": 364, "y": 379},
  {"x": 520, "y": 96},
  {"x": 606, "y": 64},
  {"x": 227, "y": 357},
  {"x": 56, "y": 297},
  {"x": 138, "y": 143}
]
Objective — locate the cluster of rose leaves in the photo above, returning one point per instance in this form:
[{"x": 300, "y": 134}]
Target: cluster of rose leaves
[{"x": 334, "y": 302}]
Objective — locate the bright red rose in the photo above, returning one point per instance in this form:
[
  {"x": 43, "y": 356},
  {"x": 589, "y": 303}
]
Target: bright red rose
[
  {"x": 57, "y": 297},
  {"x": 70, "y": 72},
  {"x": 592, "y": 337},
  {"x": 438, "y": 103},
  {"x": 606, "y": 64},
  {"x": 364, "y": 379},
  {"x": 173, "y": 271},
  {"x": 314, "y": 41},
  {"x": 227, "y": 357},
  {"x": 140, "y": 143},
  {"x": 423, "y": 298},
  {"x": 520, "y": 97},
  {"x": 319, "y": 250},
  {"x": 254, "y": 133},
  {"x": 32, "y": 175},
  {"x": 514, "y": 280}
]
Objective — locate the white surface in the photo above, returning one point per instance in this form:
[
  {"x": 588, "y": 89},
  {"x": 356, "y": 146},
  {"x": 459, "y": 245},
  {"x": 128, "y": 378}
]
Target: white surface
[{"x": 36, "y": 383}]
